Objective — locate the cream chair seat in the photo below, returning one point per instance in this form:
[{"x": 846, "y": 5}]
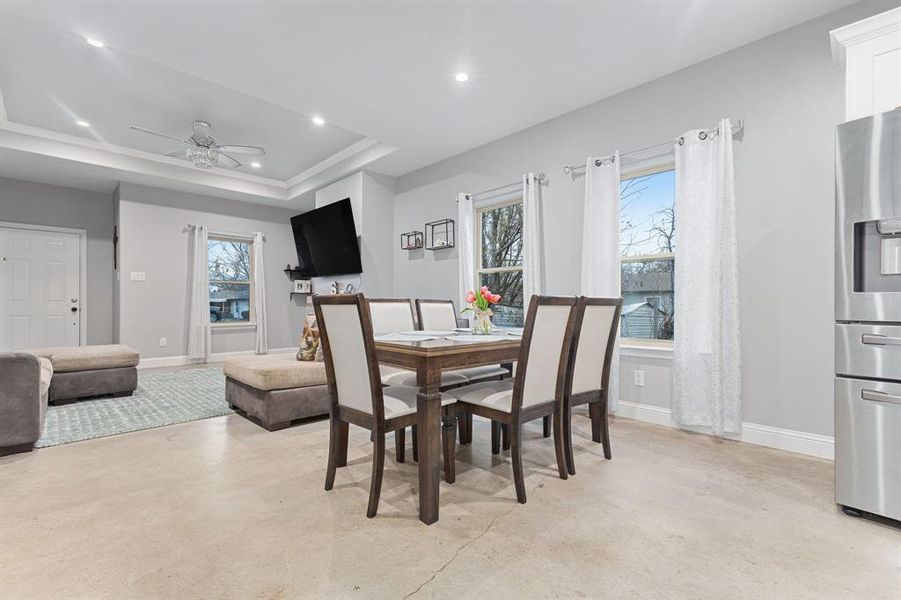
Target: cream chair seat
[
  {"x": 492, "y": 394},
  {"x": 400, "y": 400}
]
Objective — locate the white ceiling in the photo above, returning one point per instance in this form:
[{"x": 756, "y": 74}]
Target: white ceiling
[{"x": 377, "y": 70}]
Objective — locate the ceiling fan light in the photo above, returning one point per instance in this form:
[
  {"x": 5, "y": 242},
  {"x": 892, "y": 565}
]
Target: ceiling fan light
[{"x": 203, "y": 157}]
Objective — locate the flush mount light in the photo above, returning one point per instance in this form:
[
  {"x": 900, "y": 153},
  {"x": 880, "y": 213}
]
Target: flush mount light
[
  {"x": 93, "y": 42},
  {"x": 318, "y": 120},
  {"x": 81, "y": 123},
  {"x": 462, "y": 77},
  {"x": 255, "y": 165}
]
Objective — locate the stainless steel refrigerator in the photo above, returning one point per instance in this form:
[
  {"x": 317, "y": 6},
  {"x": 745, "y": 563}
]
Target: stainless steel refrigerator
[{"x": 868, "y": 316}]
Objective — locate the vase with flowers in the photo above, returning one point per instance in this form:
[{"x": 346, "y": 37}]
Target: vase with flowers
[{"x": 480, "y": 303}]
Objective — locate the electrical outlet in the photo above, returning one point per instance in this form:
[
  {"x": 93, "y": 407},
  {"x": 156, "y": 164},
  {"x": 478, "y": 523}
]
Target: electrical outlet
[
  {"x": 163, "y": 342},
  {"x": 638, "y": 377}
]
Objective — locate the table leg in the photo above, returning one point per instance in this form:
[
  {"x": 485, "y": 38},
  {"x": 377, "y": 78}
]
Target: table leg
[{"x": 428, "y": 408}]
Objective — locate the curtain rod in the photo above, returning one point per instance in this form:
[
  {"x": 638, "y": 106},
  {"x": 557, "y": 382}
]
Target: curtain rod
[
  {"x": 736, "y": 130},
  {"x": 541, "y": 177},
  {"x": 223, "y": 233}
]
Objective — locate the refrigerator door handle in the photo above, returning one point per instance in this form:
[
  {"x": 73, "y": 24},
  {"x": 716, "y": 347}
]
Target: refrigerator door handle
[
  {"x": 874, "y": 339},
  {"x": 876, "y": 396}
]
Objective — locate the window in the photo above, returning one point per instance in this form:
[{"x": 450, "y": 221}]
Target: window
[
  {"x": 647, "y": 245},
  {"x": 499, "y": 259},
  {"x": 231, "y": 278}
]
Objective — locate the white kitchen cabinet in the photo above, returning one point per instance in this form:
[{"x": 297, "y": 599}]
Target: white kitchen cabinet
[{"x": 871, "y": 52}]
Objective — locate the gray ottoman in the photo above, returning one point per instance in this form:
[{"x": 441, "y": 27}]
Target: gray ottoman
[
  {"x": 86, "y": 371},
  {"x": 276, "y": 390}
]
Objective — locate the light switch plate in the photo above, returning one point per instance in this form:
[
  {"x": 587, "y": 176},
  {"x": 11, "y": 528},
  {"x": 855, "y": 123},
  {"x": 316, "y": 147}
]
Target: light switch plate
[
  {"x": 638, "y": 377},
  {"x": 163, "y": 342},
  {"x": 138, "y": 276}
]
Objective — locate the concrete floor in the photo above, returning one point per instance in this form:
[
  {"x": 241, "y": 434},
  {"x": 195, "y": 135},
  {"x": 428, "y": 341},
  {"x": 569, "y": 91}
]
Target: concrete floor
[{"x": 222, "y": 509}]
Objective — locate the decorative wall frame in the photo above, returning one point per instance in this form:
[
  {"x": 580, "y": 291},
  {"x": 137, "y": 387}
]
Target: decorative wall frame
[
  {"x": 440, "y": 235},
  {"x": 411, "y": 240}
]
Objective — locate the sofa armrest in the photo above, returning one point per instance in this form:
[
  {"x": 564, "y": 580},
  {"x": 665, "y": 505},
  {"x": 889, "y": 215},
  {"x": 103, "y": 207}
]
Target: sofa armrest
[{"x": 21, "y": 414}]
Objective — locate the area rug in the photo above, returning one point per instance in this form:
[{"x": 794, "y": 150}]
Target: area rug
[{"x": 162, "y": 398}]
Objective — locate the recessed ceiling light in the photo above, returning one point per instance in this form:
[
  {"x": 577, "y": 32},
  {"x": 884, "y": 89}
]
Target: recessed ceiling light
[
  {"x": 93, "y": 42},
  {"x": 318, "y": 120},
  {"x": 462, "y": 77},
  {"x": 255, "y": 165},
  {"x": 81, "y": 123}
]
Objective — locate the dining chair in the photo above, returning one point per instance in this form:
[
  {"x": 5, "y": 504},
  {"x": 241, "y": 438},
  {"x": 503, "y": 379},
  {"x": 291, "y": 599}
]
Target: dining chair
[
  {"x": 357, "y": 394},
  {"x": 393, "y": 315},
  {"x": 588, "y": 372},
  {"x": 538, "y": 387},
  {"x": 441, "y": 315}
]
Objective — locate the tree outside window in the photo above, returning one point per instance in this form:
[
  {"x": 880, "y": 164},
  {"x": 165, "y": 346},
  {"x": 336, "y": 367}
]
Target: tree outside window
[
  {"x": 499, "y": 260},
  {"x": 231, "y": 275},
  {"x": 647, "y": 245}
]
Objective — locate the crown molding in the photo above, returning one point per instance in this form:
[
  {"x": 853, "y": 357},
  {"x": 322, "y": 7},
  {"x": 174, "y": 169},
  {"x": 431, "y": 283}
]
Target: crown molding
[{"x": 863, "y": 31}]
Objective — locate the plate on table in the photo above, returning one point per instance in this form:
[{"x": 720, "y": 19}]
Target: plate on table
[{"x": 403, "y": 337}]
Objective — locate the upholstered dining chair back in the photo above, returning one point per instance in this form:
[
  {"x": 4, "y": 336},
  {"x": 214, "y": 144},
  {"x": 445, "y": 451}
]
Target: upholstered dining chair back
[
  {"x": 436, "y": 315},
  {"x": 391, "y": 314},
  {"x": 547, "y": 338},
  {"x": 349, "y": 351},
  {"x": 593, "y": 345}
]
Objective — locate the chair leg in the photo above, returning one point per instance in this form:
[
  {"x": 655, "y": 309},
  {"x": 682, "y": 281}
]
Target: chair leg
[
  {"x": 558, "y": 443},
  {"x": 568, "y": 437},
  {"x": 505, "y": 436},
  {"x": 605, "y": 428},
  {"x": 464, "y": 423},
  {"x": 449, "y": 438},
  {"x": 415, "y": 439},
  {"x": 546, "y": 425},
  {"x": 400, "y": 441},
  {"x": 468, "y": 418},
  {"x": 495, "y": 437},
  {"x": 378, "y": 468},
  {"x": 516, "y": 455},
  {"x": 332, "y": 453},
  {"x": 343, "y": 434}
]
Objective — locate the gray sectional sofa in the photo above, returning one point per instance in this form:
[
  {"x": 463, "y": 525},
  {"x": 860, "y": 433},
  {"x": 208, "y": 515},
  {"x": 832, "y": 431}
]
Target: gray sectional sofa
[{"x": 23, "y": 400}]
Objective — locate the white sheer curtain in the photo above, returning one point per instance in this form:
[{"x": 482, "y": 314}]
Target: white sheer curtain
[
  {"x": 532, "y": 275},
  {"x": 199, "y": 302},
  {"x": 466, "y": 215},
  {"x": 600, "y": 245},
  {"x": 707, "y": 348},
  {"x": 259, "y": 295}
]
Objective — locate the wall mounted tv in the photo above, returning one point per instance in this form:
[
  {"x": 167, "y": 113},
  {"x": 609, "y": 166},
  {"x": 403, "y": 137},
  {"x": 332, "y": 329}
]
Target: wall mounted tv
[{"x": 326, "y": 241}]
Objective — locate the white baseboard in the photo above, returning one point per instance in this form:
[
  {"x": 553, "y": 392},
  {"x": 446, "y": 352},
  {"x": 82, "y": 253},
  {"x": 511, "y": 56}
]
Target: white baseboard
[
  {"x": 178, "y": 361},
  {"x": 810, "y": 444}
]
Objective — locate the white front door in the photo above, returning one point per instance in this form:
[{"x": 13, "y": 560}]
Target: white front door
[{"x": 39, "y": 288}]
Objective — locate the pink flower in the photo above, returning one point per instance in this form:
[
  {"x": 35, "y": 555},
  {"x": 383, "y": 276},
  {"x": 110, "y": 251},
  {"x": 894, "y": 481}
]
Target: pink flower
[
  {"x": 470, "y": 297},
  {"x": 495, "y": 298}
]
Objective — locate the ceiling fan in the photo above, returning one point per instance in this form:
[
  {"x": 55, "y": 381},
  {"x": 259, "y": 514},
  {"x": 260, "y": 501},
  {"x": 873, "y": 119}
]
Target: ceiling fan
[{"x": 202, "y": 150}]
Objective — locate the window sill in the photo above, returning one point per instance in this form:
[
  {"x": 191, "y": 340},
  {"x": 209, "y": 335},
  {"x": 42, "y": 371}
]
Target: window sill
[
  {"x": 232, "y": 326},
  {"x": 632, "y": 349}
]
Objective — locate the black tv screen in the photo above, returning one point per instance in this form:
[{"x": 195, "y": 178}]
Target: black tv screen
[{"x": 326, "y": 241}]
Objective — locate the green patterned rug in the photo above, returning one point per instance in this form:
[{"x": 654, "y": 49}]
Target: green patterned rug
[{"x": 162, "y": 398}]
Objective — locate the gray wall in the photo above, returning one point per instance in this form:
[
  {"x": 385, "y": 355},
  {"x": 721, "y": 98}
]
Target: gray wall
[
  {"x": 791, "y": 96},
  {"x": 153, "y": 240},
  {"x": 42, "y": 204}
]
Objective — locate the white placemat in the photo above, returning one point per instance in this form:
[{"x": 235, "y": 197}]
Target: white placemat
[
  {"x": 402, "y": 337},
  {"x": 428, "y": 332},
  {"x": 477, "y": 338}
]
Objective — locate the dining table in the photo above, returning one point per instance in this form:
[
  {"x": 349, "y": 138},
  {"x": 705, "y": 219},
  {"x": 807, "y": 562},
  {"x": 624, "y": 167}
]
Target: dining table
[{"x": 428, "y": 353}]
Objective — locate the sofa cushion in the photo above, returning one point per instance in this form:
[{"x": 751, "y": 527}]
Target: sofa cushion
[
  {"x": 88, "y": 358},
  {"x": 280, "y": 372},
  {"x": 46, "y": 375}
]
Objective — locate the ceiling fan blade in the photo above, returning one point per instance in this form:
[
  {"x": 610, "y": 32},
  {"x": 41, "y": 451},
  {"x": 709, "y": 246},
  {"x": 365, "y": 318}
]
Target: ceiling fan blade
[
  {"x": 175, "y": 153},
  {"x": 157, "y": 133},
  {"x": 253, "y": 150},
  {"x": 235, "y": 163}
]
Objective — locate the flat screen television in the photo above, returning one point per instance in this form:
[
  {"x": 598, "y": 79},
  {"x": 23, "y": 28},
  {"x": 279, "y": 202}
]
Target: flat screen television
[{"x": 326, "y": 241}]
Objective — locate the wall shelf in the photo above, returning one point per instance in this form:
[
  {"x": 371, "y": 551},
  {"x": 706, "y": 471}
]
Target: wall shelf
[{"x": 440, "y": 235}]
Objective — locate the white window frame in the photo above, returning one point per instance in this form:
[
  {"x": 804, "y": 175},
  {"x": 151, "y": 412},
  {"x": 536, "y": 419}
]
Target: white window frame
[
  {"x": 479, "y": 270},
  {"x": 638, "y": 343},
  {"x": 231, "y": 237}
]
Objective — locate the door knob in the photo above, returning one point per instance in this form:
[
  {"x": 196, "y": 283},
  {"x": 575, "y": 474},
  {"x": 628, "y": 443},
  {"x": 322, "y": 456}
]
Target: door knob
[{"x": 74, "y": 309}]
